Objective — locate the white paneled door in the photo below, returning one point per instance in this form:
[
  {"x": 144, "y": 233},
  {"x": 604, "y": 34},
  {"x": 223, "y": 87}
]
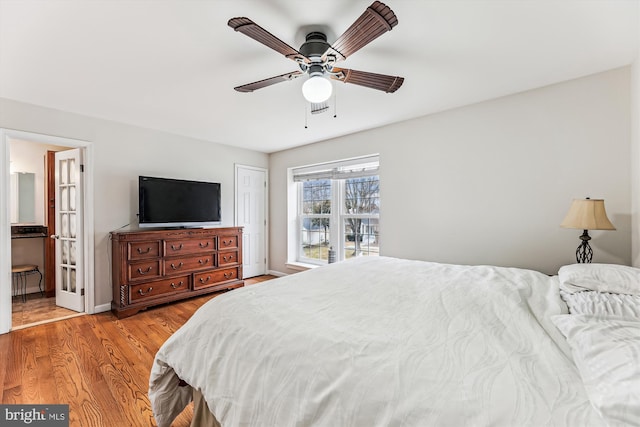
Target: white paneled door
[
  {"x": 68, "y": 234},
  {"x": 251, "y": 192}
]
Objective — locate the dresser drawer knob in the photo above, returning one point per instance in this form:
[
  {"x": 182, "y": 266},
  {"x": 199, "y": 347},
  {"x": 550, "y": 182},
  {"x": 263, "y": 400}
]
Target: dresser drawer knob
[
  {"x": 144, "y": 272},
  {"x": 228, "y": 275},
  {"x": 226, "y": 258},
  {"x": 174, "y": 286},
  {"x": 143, "y": 293},
  {"x": 227, "y": 242},
  {"x": 205, "y": 261},
  {"x": 204, "y": 245},
  {"x": 203, "y": 280},
  {"x": 175, "y": 267},
  {"x": 140, "y": 251},
  {"x": 176, "y": 248}
]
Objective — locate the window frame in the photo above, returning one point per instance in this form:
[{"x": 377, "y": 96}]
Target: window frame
[{"x": 338, "y": 216}]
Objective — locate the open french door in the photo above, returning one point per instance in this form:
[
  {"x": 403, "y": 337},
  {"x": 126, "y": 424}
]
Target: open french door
[{"x": 68, "y": 230}]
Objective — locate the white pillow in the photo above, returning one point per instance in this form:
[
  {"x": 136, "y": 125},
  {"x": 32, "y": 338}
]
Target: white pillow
[
  {"x": 606, "y": 351},
  {"x": 614, "y": 278},
  {"x": 590, "y": 302}
]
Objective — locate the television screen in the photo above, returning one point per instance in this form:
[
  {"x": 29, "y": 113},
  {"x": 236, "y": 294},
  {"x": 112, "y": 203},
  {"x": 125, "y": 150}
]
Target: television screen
[{"x": 167, "y": 202}]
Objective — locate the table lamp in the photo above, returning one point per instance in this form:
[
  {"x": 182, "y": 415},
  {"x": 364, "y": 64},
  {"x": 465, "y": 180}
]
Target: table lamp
[{"x": 586, "y": 214}]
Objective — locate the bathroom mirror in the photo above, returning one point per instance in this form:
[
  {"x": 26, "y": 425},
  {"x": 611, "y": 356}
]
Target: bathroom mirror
[{"x": 23, "y": 198}]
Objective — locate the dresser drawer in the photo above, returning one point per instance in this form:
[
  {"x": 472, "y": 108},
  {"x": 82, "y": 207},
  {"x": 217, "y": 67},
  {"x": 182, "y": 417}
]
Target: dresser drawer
[
  {"x": 227, "y": 258},
  {"x": 227, "y": 242},
  {"x": 214, "y": 277},
  {"x": 190, "y": 263},
  {"x": 189, "y": 246},
  {"x": 149, "y": 290},
  {"x": 144, "y": 270},
  {"x": 143, "y": 250}
]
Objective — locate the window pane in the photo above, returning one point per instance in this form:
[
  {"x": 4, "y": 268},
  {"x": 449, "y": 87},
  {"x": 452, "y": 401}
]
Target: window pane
[
  {"x": 361, "y": 237},
  {"x": 315, "y": 238},
  {"x": 362, "y": 195},
  {"x": 316, "y": 197}
]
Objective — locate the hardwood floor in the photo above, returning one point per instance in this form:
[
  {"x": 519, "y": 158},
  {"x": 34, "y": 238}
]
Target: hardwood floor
[
  {"x": 37, "y": 309},
  {"x": 97, "y": 364}
]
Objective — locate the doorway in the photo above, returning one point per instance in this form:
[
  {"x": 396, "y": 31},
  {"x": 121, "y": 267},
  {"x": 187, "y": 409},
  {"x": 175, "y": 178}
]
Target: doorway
[{"x": 8, "y": 137}]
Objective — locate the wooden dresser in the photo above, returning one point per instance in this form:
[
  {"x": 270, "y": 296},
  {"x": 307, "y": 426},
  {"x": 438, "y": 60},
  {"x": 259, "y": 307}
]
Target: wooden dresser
[{"x": 151, "y": 267}]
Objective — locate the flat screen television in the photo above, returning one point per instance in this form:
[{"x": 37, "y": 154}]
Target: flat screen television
[{"x": 165, "y": 202}]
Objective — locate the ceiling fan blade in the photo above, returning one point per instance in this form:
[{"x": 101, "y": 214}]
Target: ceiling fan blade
[
  {"x": 381, "y": 82},
  {"x": 250, "y": 87},
  {"x": 376, "y": 20},
  {"x": 250, "y": 29}
]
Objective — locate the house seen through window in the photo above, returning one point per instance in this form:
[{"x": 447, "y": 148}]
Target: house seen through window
[{"x": 338, "y": 208}]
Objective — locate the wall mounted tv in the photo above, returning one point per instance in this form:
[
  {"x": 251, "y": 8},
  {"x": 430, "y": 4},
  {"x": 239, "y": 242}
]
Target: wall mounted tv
[{"x": 165, "y": 202}]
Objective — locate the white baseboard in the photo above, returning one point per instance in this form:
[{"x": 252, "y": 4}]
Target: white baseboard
[{"x": 276, "y": 273}]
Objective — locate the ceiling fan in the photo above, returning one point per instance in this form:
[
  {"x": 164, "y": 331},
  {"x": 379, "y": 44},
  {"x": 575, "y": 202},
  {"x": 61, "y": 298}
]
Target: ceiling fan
[{"x": 317, "y": 58}]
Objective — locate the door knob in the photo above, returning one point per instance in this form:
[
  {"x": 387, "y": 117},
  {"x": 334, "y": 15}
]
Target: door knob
[{"x": 55, "y": 236}]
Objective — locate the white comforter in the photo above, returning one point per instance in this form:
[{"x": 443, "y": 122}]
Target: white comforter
[{"x": 378, "y": 342}]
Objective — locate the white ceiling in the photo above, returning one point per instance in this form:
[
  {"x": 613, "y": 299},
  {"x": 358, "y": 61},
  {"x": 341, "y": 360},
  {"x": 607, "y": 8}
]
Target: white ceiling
[{"x": 171, "y": 65}]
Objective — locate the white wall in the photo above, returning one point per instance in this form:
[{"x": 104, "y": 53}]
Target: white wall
[
  {"x": 635, "y": 163},
  {"x": 635, "y": 157},
  {"x": 490, "y": 183},
  {"x": 121, "y": 153}
]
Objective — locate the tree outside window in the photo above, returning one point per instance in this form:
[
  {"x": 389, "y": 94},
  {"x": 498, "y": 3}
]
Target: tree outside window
[{"x": 361, "y": 208}]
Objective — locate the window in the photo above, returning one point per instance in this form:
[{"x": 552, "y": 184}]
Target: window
[
  {"x": 337, "y": 207},
  {"x": 315, "y": 219},
  {"x": 361, "y": 204}
]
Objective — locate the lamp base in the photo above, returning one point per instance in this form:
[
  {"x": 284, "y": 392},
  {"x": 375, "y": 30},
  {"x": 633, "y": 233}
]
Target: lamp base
[{"x": 584, "y": 253}]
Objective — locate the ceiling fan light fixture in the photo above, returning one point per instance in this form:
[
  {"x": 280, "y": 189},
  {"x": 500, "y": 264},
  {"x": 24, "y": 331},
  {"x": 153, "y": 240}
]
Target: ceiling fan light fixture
[{"x": 317, "y": 89}]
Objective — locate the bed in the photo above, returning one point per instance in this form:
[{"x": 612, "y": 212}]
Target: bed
[{"x": 379, "y": 341}]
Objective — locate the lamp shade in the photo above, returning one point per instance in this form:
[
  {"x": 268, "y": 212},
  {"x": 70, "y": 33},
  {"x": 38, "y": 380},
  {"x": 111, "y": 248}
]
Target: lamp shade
[
  {"x": 317, "y": 89},
  {"x": 587, "y": 214}
]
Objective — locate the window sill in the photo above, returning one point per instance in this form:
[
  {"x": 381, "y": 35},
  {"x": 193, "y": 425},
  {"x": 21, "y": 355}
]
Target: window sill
[{"x": 300, "y": 266}]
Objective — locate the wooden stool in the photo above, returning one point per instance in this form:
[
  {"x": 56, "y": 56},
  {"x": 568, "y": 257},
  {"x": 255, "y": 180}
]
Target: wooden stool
[{"x": 19, "y": 274}]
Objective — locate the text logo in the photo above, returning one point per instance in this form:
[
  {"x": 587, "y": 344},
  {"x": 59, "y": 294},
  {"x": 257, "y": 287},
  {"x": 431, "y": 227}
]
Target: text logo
[{"x": 34, "y": 415}]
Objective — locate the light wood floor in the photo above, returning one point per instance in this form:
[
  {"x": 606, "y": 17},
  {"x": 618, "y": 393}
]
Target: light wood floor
[
  {"x": 97, "y": 364},
  {"x": 35, "y": 310}
]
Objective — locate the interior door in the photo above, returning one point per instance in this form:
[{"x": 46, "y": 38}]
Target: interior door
[
  {"x": 251, "y": 193},
  {"x": 68, "y": 235}
]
